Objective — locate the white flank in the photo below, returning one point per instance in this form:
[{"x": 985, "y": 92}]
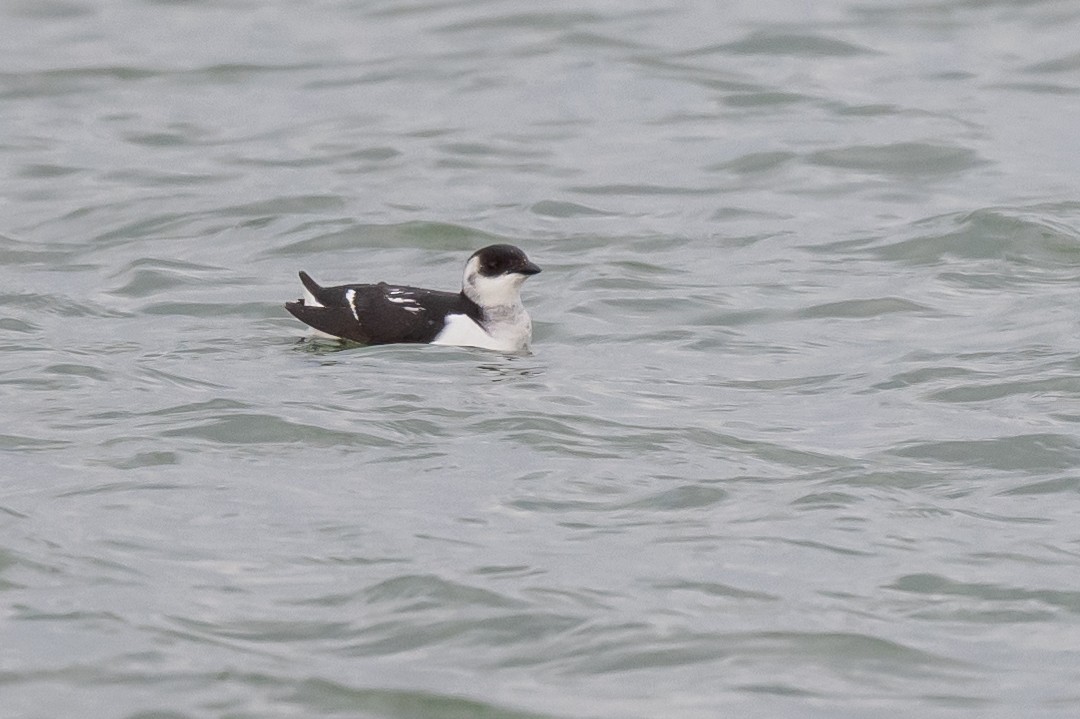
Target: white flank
[
  {"x": 462, "y": 331},
  {"x": 508, "y": 335}
]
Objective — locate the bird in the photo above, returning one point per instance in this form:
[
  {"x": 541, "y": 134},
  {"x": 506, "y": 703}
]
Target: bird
[{"x": 486, "y": 313}]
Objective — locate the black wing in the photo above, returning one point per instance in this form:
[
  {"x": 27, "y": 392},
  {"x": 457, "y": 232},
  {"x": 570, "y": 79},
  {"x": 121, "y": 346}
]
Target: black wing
[{"x": 379, "y": 314}]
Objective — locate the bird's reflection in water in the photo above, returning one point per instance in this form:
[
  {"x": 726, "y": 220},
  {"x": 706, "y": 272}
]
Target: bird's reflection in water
[
  {"x": 500, "y": 367},
  {"x": 512, "y": 367}
]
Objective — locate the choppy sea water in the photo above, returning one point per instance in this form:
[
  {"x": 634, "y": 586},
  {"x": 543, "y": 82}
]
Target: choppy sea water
[{"x": 798, "y": 435}]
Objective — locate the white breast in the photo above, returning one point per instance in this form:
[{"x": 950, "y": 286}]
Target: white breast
[{"x": 504, "y": 334}]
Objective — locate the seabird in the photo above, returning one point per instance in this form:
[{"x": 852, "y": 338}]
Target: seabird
[{"x": 486, "y": 313}]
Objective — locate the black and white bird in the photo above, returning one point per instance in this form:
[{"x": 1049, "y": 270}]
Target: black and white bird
[{"x": 486, "y": 313}]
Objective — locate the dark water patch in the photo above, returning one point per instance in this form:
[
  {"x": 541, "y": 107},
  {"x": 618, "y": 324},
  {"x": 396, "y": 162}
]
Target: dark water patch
[
  {"x": 782, "y": 44},
  {"x": 640, "y": 190},
  {"x": 1025, "y": 453},
  {"x": 535, "y": 504},
  {"x": 161, "y": 713},
  {"x": 479, "y": 149},
  {"x": 1065, "y": 63},
  {"x": 261, "y": 631},
  {"x": 327, "y": 698},
  {"x": 366, "y": 158},
  {"x": 740, "y": 317},
  {"x": 157, "y": 378},
  {"x": 779, "y": 690},
  {"x": 553, "y": 208},
  {"x": 261, "y": 429},
  {"x": 78, "y": 370},
  {"x": 865, "y": 308},
  {"x": 239, "y": 73},
  {"x": 47, "y": 171},
  {"x": 591, "y": 39},
  {"x": 991, "y": 390},
  {"x": 995, "y": 559},
  {"x": 872, "y": 110},
  {"x": 910, "y": 159},
  {"x": 799, "y": 385},
  {"x": 52, "y": 9},
  {"x": 123, "y": 487},
  {"x": 24, "y": 443},
  {"x": 21, "y": 252},
  {"x": 169, "y": 179},
  {"x": 67, "y": 81},
  {"x": 926, "y": 375},
  {"x": 415, "y": 235},
  {"x": 1020, "y": 279},
  {"x": 148, "y": 276},
  {"x": 826, "y": 500},
  {"x": 250, "y": 310},
  {"x": 10, "y": 324},
  {"x": 933, "y": 584},
  {"x": 1040, "y": 89},
  {"x": 550, "y": 20},
  {"x": 160, "y": 227},
  {"x": 768, "y": 99},
  {"x": 416, "y": 593},
  {"x": 141, "y": 460},
  {"x": 183, "y": 135},
  {"x": 755, "y": 163},
  {"x": 688, "y": 496},
  {"x": 169, "y": 226},
  {"x": 283, "y": 205},
  {"x": 1044, "y": 237},
  {"x": 497, "y": 633},
  {"x": 1067, "y": 485},
  {"x": 60, "y": 305},
  {"x": 716, "y": 590},
  {"x": 986, "y": 616},
  {"x": 842, "y": 652},
  {"x": 517, "y": 570},
  {"x": 894, "y": 480},
  {"x": 829, "y": 548}
]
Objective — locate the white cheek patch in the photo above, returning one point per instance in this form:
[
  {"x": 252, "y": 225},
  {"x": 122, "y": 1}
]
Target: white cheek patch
[{"x": 501, "y": 290}]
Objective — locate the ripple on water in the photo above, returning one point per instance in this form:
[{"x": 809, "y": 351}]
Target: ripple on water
[{"x": 1033, "y": 453}]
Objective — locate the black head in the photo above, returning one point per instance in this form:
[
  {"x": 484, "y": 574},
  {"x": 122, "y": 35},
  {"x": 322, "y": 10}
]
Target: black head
[{"x": 495, "y": 260}]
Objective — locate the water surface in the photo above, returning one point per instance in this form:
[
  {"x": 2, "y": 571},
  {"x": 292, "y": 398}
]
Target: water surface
[{"x": 798, "y": 435}]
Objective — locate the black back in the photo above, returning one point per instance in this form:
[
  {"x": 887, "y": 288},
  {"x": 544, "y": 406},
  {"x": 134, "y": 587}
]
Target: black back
[{"x": 417, "y": 315}]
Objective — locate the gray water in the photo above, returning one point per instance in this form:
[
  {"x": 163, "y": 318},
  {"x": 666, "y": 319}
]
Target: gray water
[{"x": 798, "y": 436}]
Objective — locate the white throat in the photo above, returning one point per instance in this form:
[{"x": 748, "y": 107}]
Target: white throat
[
  {"x": 506, "y": 326},
  {"x": 494, "y": 294}
]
